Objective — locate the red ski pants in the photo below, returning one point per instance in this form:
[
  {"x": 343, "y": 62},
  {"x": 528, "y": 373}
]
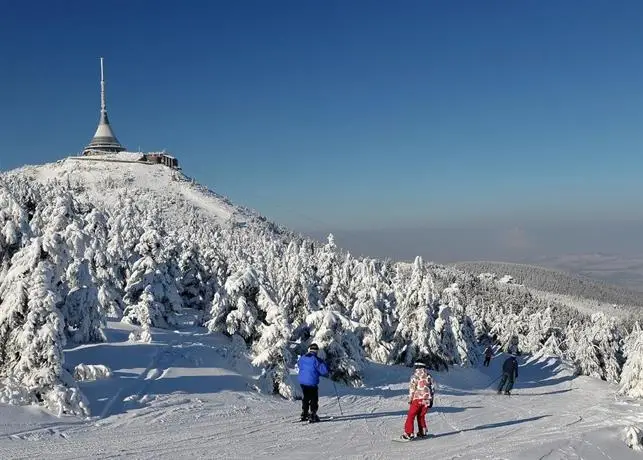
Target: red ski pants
[{"x": 416, "y": 410}]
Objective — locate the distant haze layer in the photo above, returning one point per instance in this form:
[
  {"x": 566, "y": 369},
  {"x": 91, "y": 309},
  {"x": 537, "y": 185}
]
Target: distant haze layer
[{"x": 608, "y": 251}]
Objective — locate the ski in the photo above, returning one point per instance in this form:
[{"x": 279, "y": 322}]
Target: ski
[
  {"x": 415, "y": 438},
  {"x": 321, "y": 419}
]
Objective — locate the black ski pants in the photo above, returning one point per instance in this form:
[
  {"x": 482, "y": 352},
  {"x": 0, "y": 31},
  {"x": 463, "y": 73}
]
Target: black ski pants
[
  {"x": 310, "y": 403},
  {"x": 507, "y": 381},
  {"x": 487, "y": 360}
]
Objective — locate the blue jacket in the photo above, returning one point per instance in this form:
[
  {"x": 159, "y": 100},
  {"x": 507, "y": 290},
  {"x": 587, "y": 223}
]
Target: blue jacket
[{"x": 310, "y": 368}]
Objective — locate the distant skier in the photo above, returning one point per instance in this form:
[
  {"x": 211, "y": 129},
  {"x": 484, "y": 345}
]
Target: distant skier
[
  {"x": 311, "y": 367},
  {"x": 488, "y": 353},
  {"x": 509, "y": 374},
  {"x": 421, "y": 393}
]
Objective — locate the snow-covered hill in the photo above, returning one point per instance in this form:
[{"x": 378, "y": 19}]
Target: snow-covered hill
[
  {"x": 104, "y": 184},
  {"x": 83, "y": 242}
]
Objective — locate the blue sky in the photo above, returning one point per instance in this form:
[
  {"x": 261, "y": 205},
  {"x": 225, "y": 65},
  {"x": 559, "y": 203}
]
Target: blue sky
[{"x": 348, "y": 115}]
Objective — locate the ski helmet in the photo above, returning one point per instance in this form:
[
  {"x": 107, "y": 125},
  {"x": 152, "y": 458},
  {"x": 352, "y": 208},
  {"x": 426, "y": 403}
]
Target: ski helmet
[
  {"x": 419, "y": 365},
  {"x": 313, "y": 347}
]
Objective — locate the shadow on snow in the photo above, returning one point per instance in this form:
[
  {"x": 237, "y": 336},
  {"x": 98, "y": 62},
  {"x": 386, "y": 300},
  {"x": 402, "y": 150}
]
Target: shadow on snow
[{"x": 493, "y": 425}]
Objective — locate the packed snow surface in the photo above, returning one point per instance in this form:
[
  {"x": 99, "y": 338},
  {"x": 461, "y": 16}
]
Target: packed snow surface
[
  {"x": 189, "y": 394},
  {"x": 102, "y": 181}
]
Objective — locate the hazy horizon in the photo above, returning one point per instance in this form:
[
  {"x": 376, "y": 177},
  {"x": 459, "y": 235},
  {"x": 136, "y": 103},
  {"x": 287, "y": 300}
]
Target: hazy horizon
[{"x": 611, "y": 252}]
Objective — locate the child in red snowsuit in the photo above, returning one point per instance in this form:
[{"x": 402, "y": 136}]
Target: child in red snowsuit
[{"x": 420, "y": 400}]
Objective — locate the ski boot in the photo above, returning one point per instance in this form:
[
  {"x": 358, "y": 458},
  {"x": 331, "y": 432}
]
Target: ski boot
[
  {"x": 314, "y": 418},
  {"x": 304, "y": 417}
]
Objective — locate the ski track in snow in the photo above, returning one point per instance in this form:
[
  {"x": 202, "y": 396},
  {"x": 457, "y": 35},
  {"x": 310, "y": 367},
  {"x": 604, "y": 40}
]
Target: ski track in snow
[{"x": 186, "y": 396}]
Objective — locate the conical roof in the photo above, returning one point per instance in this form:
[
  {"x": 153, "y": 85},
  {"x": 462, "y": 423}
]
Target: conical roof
[{"x": 104, "y": 141}]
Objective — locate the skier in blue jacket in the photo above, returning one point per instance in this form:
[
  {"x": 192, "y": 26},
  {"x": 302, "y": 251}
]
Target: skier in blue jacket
[{"x": 311, "y": 367}]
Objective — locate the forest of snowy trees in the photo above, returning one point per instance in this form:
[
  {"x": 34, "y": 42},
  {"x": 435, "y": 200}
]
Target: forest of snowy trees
[
  {"x": 547, "y": 279},
  {"x": 67, "y": 264}
]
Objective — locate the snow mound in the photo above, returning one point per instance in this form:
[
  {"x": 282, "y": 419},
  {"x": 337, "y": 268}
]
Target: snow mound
[
  {"x": 633, "y": 437},
  {"x": 87, "y": 372},
  {"x": 12, "y": 392},
  {"x": 142, "y": 335}
]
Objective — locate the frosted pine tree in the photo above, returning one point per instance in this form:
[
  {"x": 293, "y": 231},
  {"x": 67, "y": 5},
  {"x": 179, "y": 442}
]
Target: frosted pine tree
[
  {"x": 103, "y": 270},
  {"x": 444, "y": 328},
  {"x": 219, "y": 310},
  {"x": 147, "y": 313},
  {"x": 189, "y": 279},
  {"x": 83, "y": 321},
  {"x": 214, "y": 274},
  {"x": 339, "y": 346},
  {"x": 32, "y": 345},
  {"x": 237, "y": 309},
  {"x": 151, "y": 271},
  {"x": 366, "y": 312},
  {"x": 462, "y": 327},
  {"x": 583, "y": 352},
  {"x": 540, "y": 329},
  {"x": 551, "y": 348},
  {"x": 14, "y": 227},
  {"x": 327, "y": 261},
  {"x": 631, "y": 383},
  {"x": 608, "y": 342},
  {"x": 271, "y": 350},
  {"x": 507, "y": 329},
  {"x": 416, "y": 337}
]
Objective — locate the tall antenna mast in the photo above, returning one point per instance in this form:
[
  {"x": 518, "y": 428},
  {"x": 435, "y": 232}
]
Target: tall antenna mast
[{"x": 102, "y": 88}]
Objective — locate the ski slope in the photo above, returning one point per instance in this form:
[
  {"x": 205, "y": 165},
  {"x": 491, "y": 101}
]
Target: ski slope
[{"x": 190, "y": 395}]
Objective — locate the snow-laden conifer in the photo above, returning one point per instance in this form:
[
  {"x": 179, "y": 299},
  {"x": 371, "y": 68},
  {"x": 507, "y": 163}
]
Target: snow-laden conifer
[{"x": 631, "y": 379}]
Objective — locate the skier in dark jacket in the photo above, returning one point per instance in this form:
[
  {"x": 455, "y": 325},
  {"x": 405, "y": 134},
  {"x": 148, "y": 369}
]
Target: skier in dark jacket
[
  {"x": 488, "y": 353},
  {"x": 311, "y": 367},
  {"x": 509, "y": 374}
]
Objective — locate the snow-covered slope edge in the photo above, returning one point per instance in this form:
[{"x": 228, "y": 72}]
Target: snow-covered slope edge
[{"x": 83, "y": 241}]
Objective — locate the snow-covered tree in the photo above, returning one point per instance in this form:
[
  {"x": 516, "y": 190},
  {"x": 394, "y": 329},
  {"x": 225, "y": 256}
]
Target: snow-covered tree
[
  {"x": 551, "y": 348},
  {"x": 608, "y": 341},
  {"x": 83, "y": 320},
  {"x": 583, "y": 352},
  {"x": 32, "y": 334},
  {"x": 631, "y": 381},
  {"x": 150, "y": 274},
  {"x": 332, "y": 332},
  {"x": 416, "y": 337}
]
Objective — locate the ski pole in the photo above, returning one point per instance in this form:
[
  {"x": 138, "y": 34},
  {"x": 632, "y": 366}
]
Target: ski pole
[
  {"x": 492, "y": 382},
  {"x": 337, "y": 395}
]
